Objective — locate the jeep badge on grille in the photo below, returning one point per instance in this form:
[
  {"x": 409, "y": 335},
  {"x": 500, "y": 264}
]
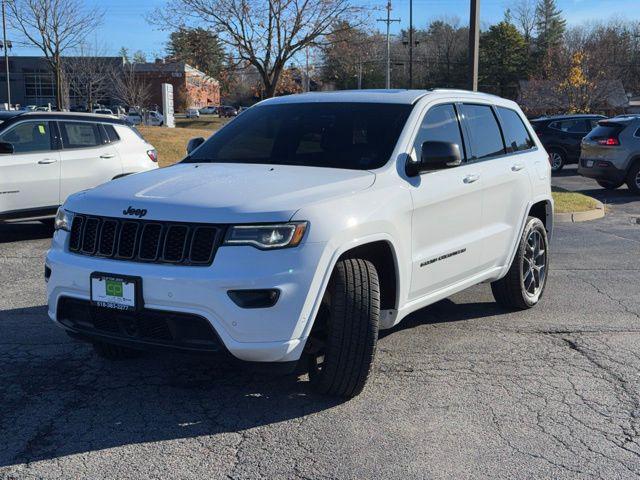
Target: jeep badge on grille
[{"x": 138, "y": 212}]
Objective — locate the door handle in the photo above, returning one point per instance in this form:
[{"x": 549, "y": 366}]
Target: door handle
[
  {"x": 471, "y": 178},
  {"x": 108, "y": 155},
  {"x": 517, "y": 167},
  {"x": 46, "y": 161}
]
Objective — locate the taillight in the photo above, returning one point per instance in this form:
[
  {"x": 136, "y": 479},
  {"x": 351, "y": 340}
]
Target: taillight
[
  {"x": 609, "y": 141},
  {"x": 153, "y": 155}
]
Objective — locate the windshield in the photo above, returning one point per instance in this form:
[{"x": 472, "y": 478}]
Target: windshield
[{"x": 357, "y": 136}]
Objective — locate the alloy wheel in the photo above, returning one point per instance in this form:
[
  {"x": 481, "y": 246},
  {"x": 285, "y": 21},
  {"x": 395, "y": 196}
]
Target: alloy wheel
[
  {"x": 534, "y": 264},
  {"x": 556, "y": 161}
]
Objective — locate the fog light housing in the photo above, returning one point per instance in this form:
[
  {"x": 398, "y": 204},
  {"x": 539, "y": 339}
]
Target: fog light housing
[
  {"x": 263, "y": 298},
  {"x": 47, "y": 273}
]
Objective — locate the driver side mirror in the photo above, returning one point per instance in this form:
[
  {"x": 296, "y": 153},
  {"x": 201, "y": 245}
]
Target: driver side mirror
[
  {"x": 435, "y": 156},
  {"x": 194, "y": 143},
  {"x": 6, "y": 147}
]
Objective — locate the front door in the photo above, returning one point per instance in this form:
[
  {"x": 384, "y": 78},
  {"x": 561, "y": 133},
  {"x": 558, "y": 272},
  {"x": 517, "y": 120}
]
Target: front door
[
  {"x": 447, "y": 215},
  {"x": 29, "y": 177}
]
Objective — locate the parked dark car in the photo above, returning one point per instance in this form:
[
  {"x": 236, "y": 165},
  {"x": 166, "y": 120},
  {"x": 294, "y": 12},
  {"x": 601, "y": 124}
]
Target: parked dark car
[
  {"x": 227, "y": 111},
  {"x": 562, "y": 135}
]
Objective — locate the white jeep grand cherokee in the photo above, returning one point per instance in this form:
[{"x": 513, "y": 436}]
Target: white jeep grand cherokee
[{"x": 306, "y": 225}]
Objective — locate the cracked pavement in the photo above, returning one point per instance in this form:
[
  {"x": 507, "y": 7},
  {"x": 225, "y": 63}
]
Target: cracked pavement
[{"x": 461, "y": 389}]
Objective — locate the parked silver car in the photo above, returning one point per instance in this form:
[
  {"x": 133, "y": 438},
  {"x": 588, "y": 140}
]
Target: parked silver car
[{"x": 611, "y": 153}]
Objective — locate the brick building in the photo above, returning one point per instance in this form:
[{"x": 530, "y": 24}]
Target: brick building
[{"x": 191, "y": 87}]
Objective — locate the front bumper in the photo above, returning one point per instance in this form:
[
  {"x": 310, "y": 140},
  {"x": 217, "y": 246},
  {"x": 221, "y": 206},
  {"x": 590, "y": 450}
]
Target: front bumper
[
  {"x": 609, "y": 173},
  {"x": 274, "y": 334}
]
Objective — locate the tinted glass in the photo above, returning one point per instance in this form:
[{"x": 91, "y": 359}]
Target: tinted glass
[
  {"x": 28, "y": 137},
  {"x": 577, "y": 125},
  {"x": 440, "y": 124},
  {"x": 80, "y": 134},
  {"x": 112, "y": 135},
  {"x": 606, "y": 130},
  {"x": 515, "y": 133},
  {"x": 485, "y": 136},
  {"x": 356, "y": 136}
]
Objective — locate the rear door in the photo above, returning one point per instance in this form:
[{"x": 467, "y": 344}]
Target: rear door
[
  {"x": 30, "y": 177},
  {"x": 87, "y": 159},
  {"x": 570, "y": 134},
  {"x": 507, "y": 185},
  {"x": 447, "y": 211}
]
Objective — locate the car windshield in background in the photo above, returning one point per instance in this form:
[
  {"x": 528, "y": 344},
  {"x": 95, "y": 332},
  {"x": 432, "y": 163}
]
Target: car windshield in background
[{"x": 357, "y": 136}]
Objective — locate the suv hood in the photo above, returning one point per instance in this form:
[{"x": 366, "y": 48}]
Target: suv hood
[{"x": 220, "y": 193}]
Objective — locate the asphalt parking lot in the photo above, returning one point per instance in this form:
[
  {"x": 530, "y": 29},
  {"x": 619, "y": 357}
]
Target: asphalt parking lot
[{"x": 462, "y": 389}]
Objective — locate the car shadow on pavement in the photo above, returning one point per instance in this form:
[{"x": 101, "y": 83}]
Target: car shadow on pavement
[
  {"x": 446, "y": 311},
  {"x": 60, "y": 399},
  {"x": 17, "y": 232},
  {"x": 619, "y": 196}
]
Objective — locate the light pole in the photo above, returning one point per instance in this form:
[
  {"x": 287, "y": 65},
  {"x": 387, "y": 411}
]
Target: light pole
[
  {"x": 474, "y": 44},
  {"x": 388, "y": 21},
  {"x": 6, "y": 45},
  {"x": 410, "y": 43}
]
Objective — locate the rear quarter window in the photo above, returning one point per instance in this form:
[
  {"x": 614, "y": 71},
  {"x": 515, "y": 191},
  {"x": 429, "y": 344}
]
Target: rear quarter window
[{"x": 516, "y": 135}]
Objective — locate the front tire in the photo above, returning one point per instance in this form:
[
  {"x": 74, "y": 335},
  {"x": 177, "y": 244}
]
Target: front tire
[
  {"x": 523, "y": 285},
  {"x": 343, "y": 341}
]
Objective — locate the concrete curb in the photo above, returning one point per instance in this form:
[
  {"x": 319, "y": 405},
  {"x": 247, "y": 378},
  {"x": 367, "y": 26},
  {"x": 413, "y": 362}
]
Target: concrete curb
[{"x": 569, "y": 217}]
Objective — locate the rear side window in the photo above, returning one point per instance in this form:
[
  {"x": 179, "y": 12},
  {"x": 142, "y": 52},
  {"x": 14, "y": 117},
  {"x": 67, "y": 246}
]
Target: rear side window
[
  {"x": 577, "y": 125},
  {"x": 28, "y": 137},
  {"x": 80, "y": 134},
  {"x": 516, "y": 135},
  {"x": 440, "y": 124},
  {"x": 112, "y": 135},
  {"x": 484, "y": 132}
]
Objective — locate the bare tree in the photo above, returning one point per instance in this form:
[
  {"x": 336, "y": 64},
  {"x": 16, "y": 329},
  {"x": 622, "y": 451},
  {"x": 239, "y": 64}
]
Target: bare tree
[
  {"x": 265, "y": 33},
  {"x": 524, "y": 16},
  {"x": 54, "y": 26},
  {"x": 130, "y": 88},
  {"x": 88, "y": 75}
]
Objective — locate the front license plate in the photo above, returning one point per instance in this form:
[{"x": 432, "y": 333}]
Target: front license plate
[
  {"x": 113, "y": 291},
  {"x": 589, "y": 163}
]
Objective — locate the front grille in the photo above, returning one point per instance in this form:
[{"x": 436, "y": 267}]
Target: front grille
[
  {"x": 145, "y": 240},
  {"x": 156, "y": 327}
]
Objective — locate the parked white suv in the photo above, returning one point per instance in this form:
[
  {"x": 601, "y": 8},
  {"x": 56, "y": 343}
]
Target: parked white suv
[
  {"x": 45, "y": 157},
  {"x": 304, "y": 226}
]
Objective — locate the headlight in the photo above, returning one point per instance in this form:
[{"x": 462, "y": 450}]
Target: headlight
[
  {"x": 280, "y": 235},
  {"x": 63, "y": 220}
]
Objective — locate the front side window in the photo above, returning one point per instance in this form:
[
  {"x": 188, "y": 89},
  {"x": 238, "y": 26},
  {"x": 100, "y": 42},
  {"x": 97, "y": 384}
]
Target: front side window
[
  {"x": 80, "y": 134},
  {"x": 516, "y": 135},
  {"x": 359, "y": 136},
  {"x": 440, "y": 124},
  {"x": 28, "y": 137},
  {"x": 484, "y": 132}
]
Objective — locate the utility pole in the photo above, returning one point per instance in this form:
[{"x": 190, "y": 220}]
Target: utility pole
[
  {"x": 410, "y": 44},
  {"x": 360, "y": 75},
  {"x": 388, "y": 21},
  {"x": 474, "y": 44},
  {"x": 307, "y": 83},
  {"x": 6, "y": 52}
]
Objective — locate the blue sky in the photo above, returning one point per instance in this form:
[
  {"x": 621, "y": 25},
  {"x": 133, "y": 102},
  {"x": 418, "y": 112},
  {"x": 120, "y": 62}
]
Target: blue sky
[{"x": 125, "y": 21}]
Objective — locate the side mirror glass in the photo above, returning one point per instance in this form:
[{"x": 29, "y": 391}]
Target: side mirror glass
[
  {"x": 194, "y": 143},
  {"x": 435, "y": 156},
  {"x": 6, "y": 147}
]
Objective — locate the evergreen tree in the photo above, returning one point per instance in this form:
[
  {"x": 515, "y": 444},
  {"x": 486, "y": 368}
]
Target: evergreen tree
[
  {"x": 198, "y": 47},
  {"x": 502, "y": 59},
  {"x": 550, "y": 25}
]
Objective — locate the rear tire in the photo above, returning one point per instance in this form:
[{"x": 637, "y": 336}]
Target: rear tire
[
  {"x": 345, "y": 334},
  {"x": 633, "y": 178},
  {"x": 114, "y": 352},
  {"x": 609, "y": 185},
  {"x": 530, "y": 264},
  {"x": 558, "y": 159}
]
